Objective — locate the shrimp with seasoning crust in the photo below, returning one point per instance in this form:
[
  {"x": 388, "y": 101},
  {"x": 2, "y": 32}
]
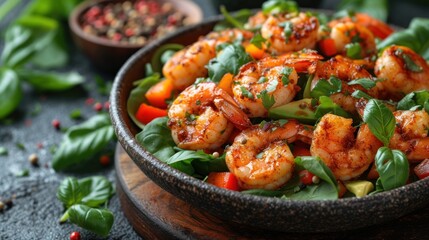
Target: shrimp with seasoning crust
[
  {"x": 260, "y": 157},
  {"x": 346, "y": 155},
  {"x": 203, "y": 117}
]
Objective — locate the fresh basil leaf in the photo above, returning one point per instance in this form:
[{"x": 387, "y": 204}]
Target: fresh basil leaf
[
  {"x": 229, "y": 60},
  {"x": 326, "y": 105},
  {"x": 137, "y": 96},
  {"x": 57, "y": 48},
  {"x": 416, "y": 37},
  {"x": 321, "y": 191},
  {"x": 377, "y": 9},
  {"x": 285, "y": 72},
  {"x": 380, "y": 120},
  {"x": 3, "y": 151},
  {"x": 7, "y": 6},
  {"x": 325, "y": 87},
  {"x": 10, "y": 92},
  {"x": 83, "y": 141},
  {"x": 246, "y": 93},
  {"x": 279, "y": 6},
  {"x": 156, "y": 138},
  {"x": 26, "y": 38},
  {"x": 96, "y": 220},
  {"x": 51, "y": 8},
  {"x": 361, "y": 94},
  {"x": 95, "y": 190},
  {"x": 366, "y": 83},
  {"x": 393, "y": 168},
  {"x": 51, "y": 81},
  {"x": 414, "y": 99},
  {"x": 69, "y": 192},
  {"x": 316, "y": 166},
  {"x": 188, "y": 155},
  {"x": 202, "y": 163}
]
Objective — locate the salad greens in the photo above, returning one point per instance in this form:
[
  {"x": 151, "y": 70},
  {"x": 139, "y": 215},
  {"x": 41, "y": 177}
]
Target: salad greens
[{"x": 377, "y": 9}]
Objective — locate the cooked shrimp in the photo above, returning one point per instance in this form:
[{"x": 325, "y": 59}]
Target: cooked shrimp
[
  {"x": 378, "y": 28},
  {"x": 274, "y": 77},
  {"x": 411, "y": 134},
  {"x": 189, "y": 64},
  {"x": 197, "y": 123},
  {"x": 260, "y": 156},
  {"x": 345, "y": 70},
  {"x": 344, "y": 33},
  {"x": 404, "y": 71},
  {"x": 287, "y": 33},
  {"x": 335, "y": 143},
  {"x": 256, "y": 21}
]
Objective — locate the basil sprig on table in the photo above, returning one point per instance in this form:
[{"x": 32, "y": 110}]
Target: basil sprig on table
[
  {"x": 30, "y": 43},
  {"x": 82, "y": 199},
  {"x": 81, "y": 142}
]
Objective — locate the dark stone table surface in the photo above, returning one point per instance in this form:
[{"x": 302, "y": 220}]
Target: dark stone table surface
[{"x": 35, "y": 210}]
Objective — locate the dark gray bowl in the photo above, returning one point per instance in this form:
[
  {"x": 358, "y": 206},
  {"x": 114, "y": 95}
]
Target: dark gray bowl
[{"x": 260, "y": 212}]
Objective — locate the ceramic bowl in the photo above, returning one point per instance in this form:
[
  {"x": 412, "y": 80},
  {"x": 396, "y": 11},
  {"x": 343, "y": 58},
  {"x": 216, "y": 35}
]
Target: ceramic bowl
[
  {"x": 255, "y": 211},
  {"x": 109, "y": 55}
]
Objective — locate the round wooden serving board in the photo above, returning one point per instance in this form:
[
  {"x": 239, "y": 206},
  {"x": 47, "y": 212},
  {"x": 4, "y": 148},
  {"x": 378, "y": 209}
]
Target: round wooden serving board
[{"x": 156, "y": 214}]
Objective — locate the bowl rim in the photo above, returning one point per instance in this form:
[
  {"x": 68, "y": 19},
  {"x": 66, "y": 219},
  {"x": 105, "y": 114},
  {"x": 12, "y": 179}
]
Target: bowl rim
[
  {"x": 186, "y": 182},
  {"x": 74, "y": 24}
]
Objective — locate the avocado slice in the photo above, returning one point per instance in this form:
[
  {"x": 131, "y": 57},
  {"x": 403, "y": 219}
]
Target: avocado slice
[
  {"x": 302, "y": 110},
  {"x": 360, "y": 188}
]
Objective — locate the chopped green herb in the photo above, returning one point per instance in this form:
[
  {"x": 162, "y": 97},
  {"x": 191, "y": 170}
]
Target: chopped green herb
[
  {"x": 409, "y": 63},
  {"x": 272, "y": 86},
  {"x": 190, "y": 117},
  {"x": 366, "y": 83},
  {"x": 76, "y": 114},
  {"x": 22, "y": 173},
  {"x": 36, "y": 110},
  {"x": 198, "y": 102},
  {"x": 325, "y": 87},
  {"x": 262, "y": 79},
  {"x": 354, "y": 50},
  {"x": 246, "y": 93},
  {"x": 286, "y": 71},
  {"x": 3, "y": 151},
  {"x": 287, "y": 29},
  {"x": 258, "y": 40},
  {"x": 267, "y": 100},
  {"x": 20, "y": 146},
  {"x": 260, "y": 155}
]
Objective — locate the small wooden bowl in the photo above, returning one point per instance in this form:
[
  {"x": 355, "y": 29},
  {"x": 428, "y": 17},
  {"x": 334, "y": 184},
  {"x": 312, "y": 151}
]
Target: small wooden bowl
[{"x": 109, "y": 55}]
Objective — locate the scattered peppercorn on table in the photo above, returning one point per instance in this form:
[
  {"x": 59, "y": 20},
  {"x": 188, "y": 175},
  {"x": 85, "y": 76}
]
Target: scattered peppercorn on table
[{"x": 29, "y": 207}]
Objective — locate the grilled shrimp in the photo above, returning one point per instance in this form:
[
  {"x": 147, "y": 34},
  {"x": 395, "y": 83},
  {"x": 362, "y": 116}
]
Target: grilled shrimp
[
  {"x": 203, "y": 117},
  {"x": 189, "y": 64},
  {"x": 273, "y": 77},
  {"x": 404, "y": 71},
  {"x": 411, "y": 134},
  {"x": 344, "y": 33},
  {"x": 287, "y": 33},
  {"x": 346, "y": 70},
  {"x": 335, "y": 143},
  {"x": 260, "y": 156}
]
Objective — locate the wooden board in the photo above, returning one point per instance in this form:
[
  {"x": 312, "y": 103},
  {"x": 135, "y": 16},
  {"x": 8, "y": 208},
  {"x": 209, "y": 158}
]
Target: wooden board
[{"x": 156, "y": 214}]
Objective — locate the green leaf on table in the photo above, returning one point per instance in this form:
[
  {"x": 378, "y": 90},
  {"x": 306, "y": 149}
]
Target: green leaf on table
[
  {"x": 137, "y": 96},
  {"x": 52, "y": 8},
  {"x": 26, "y": 38},
  {"x": 380, "y": 120},
  {"x": 377, "y": 9},
  {"x": 95, "y": 190},
  {"x": 10, "y": 92},
  {"x": 69, "y": 192},
  {"x": 229, "y": 60},
  {"x": 96, "y": 220},
  {"x": 393, "y": 168},
  {"x": 156, "y": 138},
  {"x": 7, "y": 6},
  {"x": 51, "y": 81},
  {"x": 416, "y": 37},
  {"x": 83, "y": 141},
  {"x": 3, "y": 151}
]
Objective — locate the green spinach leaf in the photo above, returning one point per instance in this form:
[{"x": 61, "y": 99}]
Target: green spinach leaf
[
  {"x": 202, "y": 162},
  {"x": 156, "y": 138},
  {"x": 10, "y": 92},
  {"x": 137, "y": 96},
  {"x": 321, "y": 191},
  {"x": 96, "y": 220},
  {"x": 380, "y": 120},
  {"x": 229, "y": 60},
  {"x": 51, "y": 81},
  {"x": 82, "y": 142},
  {"x": 393, "y": 168}
]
